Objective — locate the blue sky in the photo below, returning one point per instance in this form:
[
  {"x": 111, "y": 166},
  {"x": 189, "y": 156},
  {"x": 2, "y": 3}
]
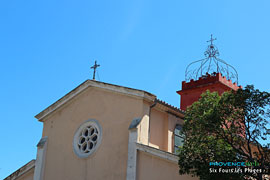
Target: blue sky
[{"x": 47, "y": 48}]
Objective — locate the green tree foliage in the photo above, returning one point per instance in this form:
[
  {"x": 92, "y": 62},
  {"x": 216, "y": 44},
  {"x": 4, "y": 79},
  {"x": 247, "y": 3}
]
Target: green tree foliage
[{"x": 233, "y": 127}]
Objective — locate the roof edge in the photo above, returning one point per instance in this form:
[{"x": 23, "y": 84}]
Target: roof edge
[
  {"x": 22, "y": 170},
  {"x": 98, "y": 84},
  {"x": 170, "y": 108}
]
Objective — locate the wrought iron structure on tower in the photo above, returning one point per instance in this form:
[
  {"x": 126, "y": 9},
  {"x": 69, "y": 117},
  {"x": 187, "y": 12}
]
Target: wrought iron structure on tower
[{"x": 211, "y": 64}]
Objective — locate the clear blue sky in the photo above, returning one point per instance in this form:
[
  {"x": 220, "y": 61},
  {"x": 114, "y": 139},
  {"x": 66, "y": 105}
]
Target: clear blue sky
[{"x": 47, "y": 48}]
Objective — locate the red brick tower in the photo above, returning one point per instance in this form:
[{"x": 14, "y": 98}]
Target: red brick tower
[{"x": 207, "y": 75}]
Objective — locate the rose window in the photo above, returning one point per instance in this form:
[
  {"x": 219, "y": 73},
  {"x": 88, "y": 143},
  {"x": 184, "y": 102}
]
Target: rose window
[{"x": 87, "y": 138}]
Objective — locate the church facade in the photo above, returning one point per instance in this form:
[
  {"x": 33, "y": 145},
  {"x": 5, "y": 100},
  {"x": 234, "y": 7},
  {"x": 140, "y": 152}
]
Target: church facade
[{"x": 103, "y": 131}]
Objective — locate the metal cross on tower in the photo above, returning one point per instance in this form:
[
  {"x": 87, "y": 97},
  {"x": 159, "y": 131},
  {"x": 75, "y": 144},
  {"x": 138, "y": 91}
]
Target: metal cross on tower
[
  {"x": 95, "y": 67},
  {"x": 211, "y": 40}
]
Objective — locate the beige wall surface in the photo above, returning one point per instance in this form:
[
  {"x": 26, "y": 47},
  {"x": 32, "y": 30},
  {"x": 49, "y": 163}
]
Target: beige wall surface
[
  {"x": 29, "y": 175},
  {"x": 114, "y": 112},
  {"x": 152, "y": 167},
  {"x": 158, "y": 129},
  {"x": 162, "y": 126}
]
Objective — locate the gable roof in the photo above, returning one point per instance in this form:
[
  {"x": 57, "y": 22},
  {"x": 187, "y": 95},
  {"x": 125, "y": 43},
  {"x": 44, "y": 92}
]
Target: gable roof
[
  {"x": 22, "y": 170},
  {"x": 106, "y": 86},
  {"x": 92, "y": 83}
]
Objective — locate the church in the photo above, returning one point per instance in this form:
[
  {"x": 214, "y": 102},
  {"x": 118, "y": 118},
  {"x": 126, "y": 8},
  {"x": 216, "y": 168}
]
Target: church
[{"x": 102, "y": 131}]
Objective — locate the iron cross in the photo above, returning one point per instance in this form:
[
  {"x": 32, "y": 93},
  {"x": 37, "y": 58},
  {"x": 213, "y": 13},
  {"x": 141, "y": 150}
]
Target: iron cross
[
  {"x": 95, "y": 67},
  {"x": 211, "y": 40}
]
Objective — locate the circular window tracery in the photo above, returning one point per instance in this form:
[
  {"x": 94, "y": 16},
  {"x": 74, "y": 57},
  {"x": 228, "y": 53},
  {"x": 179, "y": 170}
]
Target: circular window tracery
[{"x": 87, "y": 138}]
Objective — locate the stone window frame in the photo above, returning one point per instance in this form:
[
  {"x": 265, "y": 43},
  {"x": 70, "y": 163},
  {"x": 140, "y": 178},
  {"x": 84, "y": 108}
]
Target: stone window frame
[{"x": 78, "y": 135}]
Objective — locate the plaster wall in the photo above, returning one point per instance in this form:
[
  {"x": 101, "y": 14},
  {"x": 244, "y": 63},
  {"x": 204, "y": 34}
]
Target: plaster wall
[
  {"x": 114, "y": 112},
  {"x": 162, "y": 126},
  {"x": 159, "y": 129},
  {"x": 143, "y": 127},
  {"x": 152, "y": 167}
]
